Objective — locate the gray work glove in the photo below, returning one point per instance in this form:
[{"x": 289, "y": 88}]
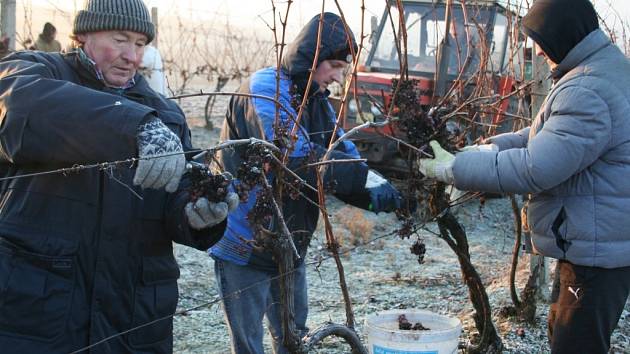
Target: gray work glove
[
  {"x": 155, "y": 139},
  {"x": 204, "y": 213}
]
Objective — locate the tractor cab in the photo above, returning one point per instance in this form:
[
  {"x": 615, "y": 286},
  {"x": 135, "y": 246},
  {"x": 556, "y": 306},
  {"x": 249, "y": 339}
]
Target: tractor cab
[{"x": 479, "y": 36}]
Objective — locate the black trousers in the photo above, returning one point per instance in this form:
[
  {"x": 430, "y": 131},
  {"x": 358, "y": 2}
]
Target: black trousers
[{"x": 586, "y": 305}]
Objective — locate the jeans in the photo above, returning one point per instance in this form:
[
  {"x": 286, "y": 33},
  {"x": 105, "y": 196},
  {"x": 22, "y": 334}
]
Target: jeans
[
  {"x": 587, "y": 303},
  {"x": 247, "y": 295}
]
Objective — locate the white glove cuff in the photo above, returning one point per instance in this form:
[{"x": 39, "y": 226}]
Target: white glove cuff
[
  {"x": 374, "y": 180},
  {"x": 488, "y": 147},
  {"x": 446, "y": 175}
]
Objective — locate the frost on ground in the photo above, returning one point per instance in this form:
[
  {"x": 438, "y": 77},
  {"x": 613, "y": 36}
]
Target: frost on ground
[{"x": 381, "y": 275}]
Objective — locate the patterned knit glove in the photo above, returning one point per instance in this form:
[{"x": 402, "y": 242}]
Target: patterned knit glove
[{"x": 156, "y": 139}]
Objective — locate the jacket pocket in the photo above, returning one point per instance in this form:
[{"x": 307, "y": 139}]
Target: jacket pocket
[
  {"x": 35, "y": 293},
  {"x": 558, "y": 228},
  {"x": 155, "y": 300}
]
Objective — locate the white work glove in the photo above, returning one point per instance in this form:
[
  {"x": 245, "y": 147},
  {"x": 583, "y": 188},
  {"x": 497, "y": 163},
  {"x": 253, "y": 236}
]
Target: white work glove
[
  {"x": 374, "y": 180},
  {"x": 440, "y": 167},
  {"x": 155, "y": 139},
  {"x": 482, "y": 147},
  {"x": 203, "y": 213}
]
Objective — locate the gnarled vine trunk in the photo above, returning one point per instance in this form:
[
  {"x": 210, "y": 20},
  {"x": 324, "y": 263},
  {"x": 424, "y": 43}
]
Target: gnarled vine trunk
[{"x": 455, "y": 236}]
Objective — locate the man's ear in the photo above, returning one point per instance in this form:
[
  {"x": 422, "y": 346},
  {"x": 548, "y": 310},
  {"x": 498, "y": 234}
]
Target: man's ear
[{"x": 81, "y": 37}]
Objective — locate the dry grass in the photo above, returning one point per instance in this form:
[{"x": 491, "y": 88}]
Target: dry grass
[{"x": 355, "y": 229}]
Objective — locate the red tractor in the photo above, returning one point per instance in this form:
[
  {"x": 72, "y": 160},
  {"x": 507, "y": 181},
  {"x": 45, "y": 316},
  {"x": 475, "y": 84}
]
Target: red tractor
[{"x": 481, "y": 36}]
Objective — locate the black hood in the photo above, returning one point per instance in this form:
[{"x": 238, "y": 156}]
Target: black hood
[
  {"x": 559, "y": 25},
  {"x": 335, "y": 44}
]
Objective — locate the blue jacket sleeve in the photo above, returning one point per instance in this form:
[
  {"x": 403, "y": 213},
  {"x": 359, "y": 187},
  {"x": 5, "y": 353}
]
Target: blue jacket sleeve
[{"x": 513, "y": 140}]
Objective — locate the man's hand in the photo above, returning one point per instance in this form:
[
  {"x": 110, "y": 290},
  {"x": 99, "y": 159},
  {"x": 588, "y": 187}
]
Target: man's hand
[
  {"x": 383, "y": 196},
  {"x": 155, "y": 139},
  {"x": 440, "y": 167},
  {"x": 203, "y": 213}
]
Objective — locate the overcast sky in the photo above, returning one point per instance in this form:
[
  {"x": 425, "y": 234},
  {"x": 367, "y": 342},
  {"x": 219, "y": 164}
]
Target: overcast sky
[
  {"x": 252, "y": 12},
  {"x": 248, "y": 12},
  {"x": 255, "y": 13}
]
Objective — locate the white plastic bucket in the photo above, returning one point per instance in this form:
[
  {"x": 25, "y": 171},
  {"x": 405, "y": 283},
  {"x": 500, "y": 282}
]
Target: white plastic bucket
[{"x": 384, "y": 337}]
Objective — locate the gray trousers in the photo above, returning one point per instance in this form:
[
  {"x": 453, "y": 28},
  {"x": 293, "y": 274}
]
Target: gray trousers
[{"x": 248, "y": 294}]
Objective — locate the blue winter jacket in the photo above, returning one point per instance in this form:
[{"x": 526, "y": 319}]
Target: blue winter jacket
[{"x": 255, "y": 117}]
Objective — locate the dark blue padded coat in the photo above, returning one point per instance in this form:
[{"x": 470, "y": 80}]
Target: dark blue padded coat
[{"x": 81, "y": 257}]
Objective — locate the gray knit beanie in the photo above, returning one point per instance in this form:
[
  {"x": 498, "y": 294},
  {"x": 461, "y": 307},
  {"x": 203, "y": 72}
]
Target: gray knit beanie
[{"x": 114, "y": 15}]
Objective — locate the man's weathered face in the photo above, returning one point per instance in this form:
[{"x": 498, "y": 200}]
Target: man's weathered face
[
  {"x": 117, "y": 54},
  {"x": 329, "y": 71},
  {"x": 541, "y": 53}
]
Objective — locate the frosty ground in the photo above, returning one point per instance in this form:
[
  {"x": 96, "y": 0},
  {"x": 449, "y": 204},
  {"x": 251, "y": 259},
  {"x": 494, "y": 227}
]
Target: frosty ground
[{"x": 381, "y": 275}]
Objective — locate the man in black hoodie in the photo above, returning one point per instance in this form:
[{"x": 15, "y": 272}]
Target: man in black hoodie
[
  {"x": 247, "y": 276},
  {"x": 574, "y": 163},
  {"x": 588, "y": 295}
]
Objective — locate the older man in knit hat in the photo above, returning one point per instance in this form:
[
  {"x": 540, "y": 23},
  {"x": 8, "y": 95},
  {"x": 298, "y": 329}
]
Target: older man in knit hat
[
  {"x": 86, "y": 256},
  {"x": 574, "y": 161}
]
